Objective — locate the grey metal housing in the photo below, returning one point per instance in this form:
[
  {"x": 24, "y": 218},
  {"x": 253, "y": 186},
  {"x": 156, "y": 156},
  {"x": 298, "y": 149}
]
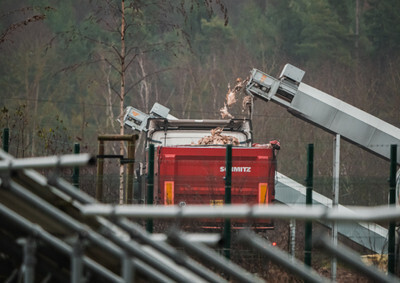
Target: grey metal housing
[{"x": 325, "y": 111}]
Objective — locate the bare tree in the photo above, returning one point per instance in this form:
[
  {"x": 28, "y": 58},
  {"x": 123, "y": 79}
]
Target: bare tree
[{"x": 128, "y": 31}]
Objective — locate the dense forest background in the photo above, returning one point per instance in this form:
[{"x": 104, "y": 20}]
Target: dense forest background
[{"x": 60, "y": 72}]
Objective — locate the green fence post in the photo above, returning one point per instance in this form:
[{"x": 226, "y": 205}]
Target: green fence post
[
  {"x": 228, "y": 200},
  {"x": 100, "y": 171},
  {"x": 6, "y": 138},
  {"x": 75, "y": 173},
  {"x": 392, "y": 202},
  {"x": 130, "y": 167},
  {"x": 150, "y": 185},
  {"x": 309, "y": 188}
]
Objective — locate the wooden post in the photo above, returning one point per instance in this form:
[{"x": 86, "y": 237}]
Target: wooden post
[{"x": 131, "y": 139}]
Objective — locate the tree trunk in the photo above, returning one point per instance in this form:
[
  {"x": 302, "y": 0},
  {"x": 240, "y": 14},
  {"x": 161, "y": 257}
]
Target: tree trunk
[
  {"x": 144, "y": 87},
  {"x": 35, "y": 109},
  {"x": 122, "y": 98}
]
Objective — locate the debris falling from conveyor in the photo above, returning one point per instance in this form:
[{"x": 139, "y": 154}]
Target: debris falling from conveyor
[
  {"x": 231, "y": 97},
  {"x": 246, "y": 102},
  {"x": 225, "y": 112},
  {"x": 216, "y": 137}
]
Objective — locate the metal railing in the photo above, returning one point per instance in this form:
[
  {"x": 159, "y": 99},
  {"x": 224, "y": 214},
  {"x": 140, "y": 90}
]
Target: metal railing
[
  {"x": 239, "y": 211},
  {"x": 52, "y": 212}
]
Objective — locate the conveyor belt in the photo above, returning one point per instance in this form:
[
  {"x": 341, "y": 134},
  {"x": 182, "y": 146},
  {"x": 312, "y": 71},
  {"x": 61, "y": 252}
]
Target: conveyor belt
[{"x": 325, "y": 111}]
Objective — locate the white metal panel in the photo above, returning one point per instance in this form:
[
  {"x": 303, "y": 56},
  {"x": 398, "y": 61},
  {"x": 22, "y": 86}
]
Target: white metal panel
[
  {"x": 342, "y": 118},
  {"x": 172, "y": 138},
  {"x": 311, "y": 108}
]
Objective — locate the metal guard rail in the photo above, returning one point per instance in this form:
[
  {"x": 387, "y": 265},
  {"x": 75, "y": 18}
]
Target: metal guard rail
[{"x": 300, "y": 212}]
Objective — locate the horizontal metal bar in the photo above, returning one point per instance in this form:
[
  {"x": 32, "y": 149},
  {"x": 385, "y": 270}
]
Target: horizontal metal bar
[
  {"x": 280, "y": 257},
  {"x": 301, "y": 212},
  {"x": 208, "y": 239},
  {"x": 117, "y": 137},
  {"x": 117, "y": 156},
  {"x": 68, "y": 160},
  {"x": 127, "y": 161}
]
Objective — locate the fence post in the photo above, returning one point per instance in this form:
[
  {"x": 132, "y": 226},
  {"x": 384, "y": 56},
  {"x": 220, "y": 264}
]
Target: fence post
[
  {"x": 6, "y": 138},
  {"x": 100, "y": 169},
  {"x": 29, "y": 259},
  {"x": 309, "y": 188},
  {"x": 228, "y": 200},
  {"x": 392, "y": 202},
  {"x": 130, "y": 175},
  {"x": 335, "y": 200},
  {"x": 150, "y": 185},
  {"x": 75, "y": 174},
  {"x": 77, "y": 261}
]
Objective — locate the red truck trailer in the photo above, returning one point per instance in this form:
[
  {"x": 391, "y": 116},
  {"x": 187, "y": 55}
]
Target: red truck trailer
[
  {"x": 187, "y": 173},
  {"x": 195, "y": 175}
]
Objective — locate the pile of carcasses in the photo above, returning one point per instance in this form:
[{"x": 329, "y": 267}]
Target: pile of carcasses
[{"x": 217, "y": 138}]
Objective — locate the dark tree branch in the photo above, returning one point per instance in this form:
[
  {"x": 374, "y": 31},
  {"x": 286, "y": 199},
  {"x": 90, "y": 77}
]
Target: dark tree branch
[
  {"x": 77, "y": 65},
  {"x": 19, "y": 25},
  {"x": 113, "y": 66},
  {"x": 130, "y": 62},
  {"x": 146, "y": 76},
  {"x": 26, "y": 9}
]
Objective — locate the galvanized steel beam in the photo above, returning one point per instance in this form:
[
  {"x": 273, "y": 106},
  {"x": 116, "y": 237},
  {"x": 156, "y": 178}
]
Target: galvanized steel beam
[
  {"x": 369, "y": 235},
  {"x": 63, "y": 218},
  {"x": 353, "y": 213},
  {"x": 148, "y": 239},
  {"x": 280, "y": 257},
  {"x": 92, "y": 236},
  {"x": 133, "y": 248},
  {"x": 29, "y": 261},
  {"x": 353, "y": 259},
  {"x": 55, "y": 242},
  {"x": 213, "y": 258},
  {"x": 68, "y": 160}
]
